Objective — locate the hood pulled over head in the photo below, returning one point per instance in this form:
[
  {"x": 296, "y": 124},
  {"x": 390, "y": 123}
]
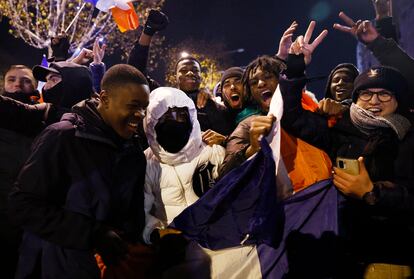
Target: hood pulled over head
[{"x": 161, "y": 100}]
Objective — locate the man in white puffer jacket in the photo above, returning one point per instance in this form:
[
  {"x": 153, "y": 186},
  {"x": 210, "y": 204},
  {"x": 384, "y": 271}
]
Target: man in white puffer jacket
[{"x": 176, "y": 151}]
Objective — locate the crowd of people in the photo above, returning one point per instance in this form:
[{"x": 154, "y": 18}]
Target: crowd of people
[{"x": 96, "y": 167}]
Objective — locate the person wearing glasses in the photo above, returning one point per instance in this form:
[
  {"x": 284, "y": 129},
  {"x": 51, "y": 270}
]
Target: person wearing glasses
[{"x": 378, "y": 203}]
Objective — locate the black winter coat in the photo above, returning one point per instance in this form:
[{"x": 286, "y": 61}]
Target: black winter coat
[
  {"x": 79, "y": 177},
  {"x": 381, "y": 233}
]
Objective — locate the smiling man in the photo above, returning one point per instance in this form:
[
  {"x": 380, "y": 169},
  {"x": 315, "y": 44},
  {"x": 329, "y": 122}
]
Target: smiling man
[
  {"x": 341, "y": 83},
  {"x": 374, "y": 218},
  {"x": 214, "y": 119},
  {"x": 376, "y": 92},
  {"x": 188, "y": 74},
  {"x": 81, "y": 190}
]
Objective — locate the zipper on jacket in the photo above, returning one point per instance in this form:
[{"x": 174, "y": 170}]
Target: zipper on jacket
[{"x": 181, "y": 184}]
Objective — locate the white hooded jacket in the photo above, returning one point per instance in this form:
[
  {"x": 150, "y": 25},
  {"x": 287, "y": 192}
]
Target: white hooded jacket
[{"x": 168, "y": 181}]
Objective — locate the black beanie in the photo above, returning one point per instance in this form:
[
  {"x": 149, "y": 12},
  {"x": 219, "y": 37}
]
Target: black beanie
[
  {"x": 231, "y": 72},
  {"x": 382, "y": 77}
]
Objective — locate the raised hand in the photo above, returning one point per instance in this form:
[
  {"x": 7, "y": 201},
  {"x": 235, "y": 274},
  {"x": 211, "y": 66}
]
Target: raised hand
[
  {"x": 330, "y": 107},
  {"x": 260, "y": 127},
  {"x": 60, "y": 46},
  {"x": 302, "y": 43},
  {"x": 286, "y": 41},
  {"x": 382, "y": 8},
  {"x": 364, "y": 31},
  {"x": 156, "y": 21},
  {"x": 83, "y": 57},
  {"x": 98, "y": 52}
]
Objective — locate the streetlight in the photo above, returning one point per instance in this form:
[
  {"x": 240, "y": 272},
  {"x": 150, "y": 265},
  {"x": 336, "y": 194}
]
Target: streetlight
[{"x": 184, "y": 54}]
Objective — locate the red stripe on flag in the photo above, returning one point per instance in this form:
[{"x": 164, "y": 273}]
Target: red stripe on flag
[{"x": 125, "y": 19}]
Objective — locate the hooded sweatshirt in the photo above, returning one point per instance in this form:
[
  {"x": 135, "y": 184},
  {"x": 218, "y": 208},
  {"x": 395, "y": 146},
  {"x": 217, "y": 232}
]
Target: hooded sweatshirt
[
  {"x": 168, "y": 181},
  {"x": 76, "y": 86},
  {"x": 351, "y": 68}
]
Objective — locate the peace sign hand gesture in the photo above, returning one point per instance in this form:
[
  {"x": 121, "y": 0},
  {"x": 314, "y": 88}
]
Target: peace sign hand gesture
[
  {"x": 302, "y": 45},
  {"x": 364, "y": 31}
]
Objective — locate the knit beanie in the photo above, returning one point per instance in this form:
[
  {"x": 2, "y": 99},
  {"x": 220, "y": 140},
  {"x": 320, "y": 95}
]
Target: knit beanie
[{"x": 381, "y": 77}]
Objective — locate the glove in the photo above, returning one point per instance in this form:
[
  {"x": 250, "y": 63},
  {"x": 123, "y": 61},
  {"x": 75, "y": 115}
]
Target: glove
[
  {"x": 110, "y": 246},
  {"x": 156, "y": 21},
  {"x": 60, "y": 46}
]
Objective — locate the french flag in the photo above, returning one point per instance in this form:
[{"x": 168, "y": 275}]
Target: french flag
[
  {"x": 243, "y": 231},
  {"x": 123, "y": 12},
  {"x": 248, "y": 233}
]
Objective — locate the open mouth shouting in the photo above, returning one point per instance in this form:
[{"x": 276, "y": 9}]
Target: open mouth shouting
[
  {"x": 266, "y": 95},
  {"x": 235, "y": 100}
]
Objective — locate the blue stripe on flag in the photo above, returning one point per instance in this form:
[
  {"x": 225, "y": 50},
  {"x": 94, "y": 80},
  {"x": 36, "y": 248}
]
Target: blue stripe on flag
[{"x": 293, "y": 236}]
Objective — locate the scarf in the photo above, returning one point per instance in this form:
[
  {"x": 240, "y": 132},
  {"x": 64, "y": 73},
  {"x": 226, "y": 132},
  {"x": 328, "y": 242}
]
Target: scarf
[
  {"x": 367, "y": 123},
  {"x": 248, "y": 111}
]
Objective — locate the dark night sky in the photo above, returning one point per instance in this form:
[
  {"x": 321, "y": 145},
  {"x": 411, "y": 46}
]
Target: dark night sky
[{"x": 255, "y": 26}]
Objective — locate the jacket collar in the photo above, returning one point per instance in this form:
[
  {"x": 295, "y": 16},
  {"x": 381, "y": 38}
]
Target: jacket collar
[{"x": 90, "y": 125}]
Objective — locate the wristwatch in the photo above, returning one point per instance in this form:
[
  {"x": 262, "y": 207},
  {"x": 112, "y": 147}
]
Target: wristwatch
[{"x": 370, "y": 198}]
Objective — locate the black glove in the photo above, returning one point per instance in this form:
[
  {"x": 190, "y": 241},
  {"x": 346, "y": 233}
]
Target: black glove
[
  {"x": 156, "y": 21},
  {"x": 110, "y": 246},
  {"x": 60, "y": 46}
]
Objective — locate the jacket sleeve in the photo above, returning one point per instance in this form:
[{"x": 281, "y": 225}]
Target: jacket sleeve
[
  {"x": 38, "y": 197},
  {"x": 22, "y": 118},
  {"x": 386, "y": 28},
  {"x": 138, "y": 57},
  {"x": 397, "y": 196},
  {"x": 151, "y": 222},
  {"x": 389, "y": 53},
  {"x": 304, "y": 124},
  {"x": 236, "y": 146},
  {"x": 98, "y": 71}
]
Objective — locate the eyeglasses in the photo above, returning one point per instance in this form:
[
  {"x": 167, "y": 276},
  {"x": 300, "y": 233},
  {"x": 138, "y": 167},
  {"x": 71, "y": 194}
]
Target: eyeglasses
[{"x": 383, "y": 96}]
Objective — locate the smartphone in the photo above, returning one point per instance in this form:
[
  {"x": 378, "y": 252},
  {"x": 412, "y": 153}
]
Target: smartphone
[{"x": 350, "y": 166}]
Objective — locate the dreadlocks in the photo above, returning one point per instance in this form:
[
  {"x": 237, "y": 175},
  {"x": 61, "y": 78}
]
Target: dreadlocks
[{"x": 267, "y": 63}]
